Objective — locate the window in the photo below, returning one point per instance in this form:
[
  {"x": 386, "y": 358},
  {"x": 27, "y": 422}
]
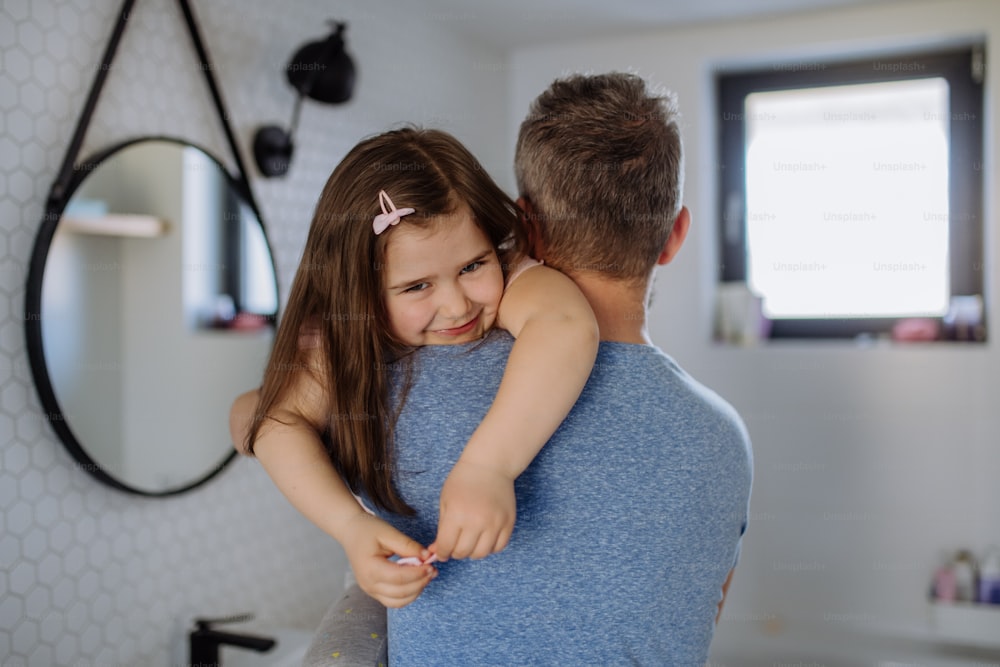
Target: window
[{"x": 851, "y": 193}]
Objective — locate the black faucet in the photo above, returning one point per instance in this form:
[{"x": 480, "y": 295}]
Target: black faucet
[{"x": 205, "y": 641}]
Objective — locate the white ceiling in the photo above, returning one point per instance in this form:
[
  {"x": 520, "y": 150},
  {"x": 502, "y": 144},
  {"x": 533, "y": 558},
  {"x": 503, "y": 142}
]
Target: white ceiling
[{"x": 511, "y": 24}]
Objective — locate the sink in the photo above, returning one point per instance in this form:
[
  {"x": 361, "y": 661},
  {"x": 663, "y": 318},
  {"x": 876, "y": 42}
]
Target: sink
[{"x": 289, "y": 651}]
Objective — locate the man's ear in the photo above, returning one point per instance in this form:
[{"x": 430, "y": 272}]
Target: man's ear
[
  {"x": 676, "y": 239},
  {"x": 532, "y": 230}
]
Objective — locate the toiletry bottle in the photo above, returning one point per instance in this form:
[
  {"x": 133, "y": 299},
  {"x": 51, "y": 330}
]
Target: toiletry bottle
[
  {"x": 964, "y": 567},
  {"x": 944, "y": 584},
  {"x": 989, "y": 577}
]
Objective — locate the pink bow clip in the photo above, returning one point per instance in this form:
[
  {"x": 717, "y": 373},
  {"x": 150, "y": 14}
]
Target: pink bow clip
[{"x": 389, "y": 217}]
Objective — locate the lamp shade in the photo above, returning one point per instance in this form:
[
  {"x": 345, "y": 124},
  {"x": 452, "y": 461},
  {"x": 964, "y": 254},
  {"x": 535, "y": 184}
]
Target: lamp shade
[{"x": 322, "y": 70}]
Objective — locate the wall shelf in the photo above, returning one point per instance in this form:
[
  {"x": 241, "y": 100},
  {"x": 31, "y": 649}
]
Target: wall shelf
[
  {"x": 966, "y": 623},
  {"x": 115, "y": 224}
]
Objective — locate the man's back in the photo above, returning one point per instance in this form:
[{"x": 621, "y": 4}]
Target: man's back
[{"x": 628, "y": 521}]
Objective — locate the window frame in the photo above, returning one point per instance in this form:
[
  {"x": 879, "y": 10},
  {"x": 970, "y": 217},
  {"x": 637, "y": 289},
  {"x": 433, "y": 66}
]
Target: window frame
[{"x": 962, "y": 67}]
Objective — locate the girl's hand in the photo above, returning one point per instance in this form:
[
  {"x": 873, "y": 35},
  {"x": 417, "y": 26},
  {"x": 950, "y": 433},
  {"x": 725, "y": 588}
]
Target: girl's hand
[
  {"x": 369, "y": 542},
  {"x": 477, "y": 512}
]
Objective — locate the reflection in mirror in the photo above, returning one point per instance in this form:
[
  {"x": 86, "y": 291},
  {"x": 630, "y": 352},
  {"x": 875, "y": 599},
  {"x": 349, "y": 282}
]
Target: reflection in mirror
[{"x": 157, "y": 307}]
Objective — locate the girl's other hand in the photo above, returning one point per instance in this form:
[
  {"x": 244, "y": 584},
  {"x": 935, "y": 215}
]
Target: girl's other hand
[
  {"x": 478, "y": 509},
  {"x": 369, "y": 542}
]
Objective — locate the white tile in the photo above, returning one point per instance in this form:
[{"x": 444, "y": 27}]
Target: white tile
[
  {"x": 42, "y": 453},
  {"x": 76, "y": 617},
  {"x": 112, "y": 577},
  {"x": 122, "y": 548},
  {"x": 42, "y": 654},
  {"x": 31, "y": 39},
  {"x": 18, "y": 66},
  {"x": 113, "y": 631},
  {"x": 8, "y": 102},
  {"x": 102, "y": 608},
  {"x": 110, "y": 523},
  {"x": 56, "y": 49},
  {"x": 32, "y": 482},
  {"x": 37, "y": 604},
  {"x": 61, "y": 537},
  {"x": 19, "y": 520},
  {"x": 10, "y": 340},
  {"x": 19, "y": 184},
  {"x": 8, "y": 34},
  {"x": 11, "y": 611},
  {"x": 127, "y": 650},
  {"x": 69, "y": 20},
  {"x": 17, "y": 10},
  {"x": 56, "y": 480},
  {"x": 43, "y": 15},
  {"x": 64, "y": 593},
  {"x": 72, "y": 503},
  {"x": 8, "y": 483},
  {"x": 25, "y": 636},
  {"x": 51, "y": 627},
  {"x": 34, "y": 545},
  {"x": 124, "y": 600},
  {"x": 66, "y": 650},
  {"x": 87, "y": 585},
  {"x": 33, "y": 162},
  {"x": 90, "y": 640},
  {"x": 85, "y": 529},
  {"x": 22, "y": 578},
  {"x": 15, "y": 457},
  {"x": 75, "y": 561},
  {"x": 94, "y": 501},
  {"x": 49, "y": 569}
]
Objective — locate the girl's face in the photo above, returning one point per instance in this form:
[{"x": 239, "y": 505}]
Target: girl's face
[{"x": 443, "y": 283}]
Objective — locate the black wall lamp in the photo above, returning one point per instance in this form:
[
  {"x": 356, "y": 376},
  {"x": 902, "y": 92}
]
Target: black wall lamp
[{"x": 319, "y": 70}]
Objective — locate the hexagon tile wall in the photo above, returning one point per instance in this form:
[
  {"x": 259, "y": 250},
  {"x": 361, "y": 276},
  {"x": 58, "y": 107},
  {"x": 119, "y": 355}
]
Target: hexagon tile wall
[{"x": 91, "y": 576}]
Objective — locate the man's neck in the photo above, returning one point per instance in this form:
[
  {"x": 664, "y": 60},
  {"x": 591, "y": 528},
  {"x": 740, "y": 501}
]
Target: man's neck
[{"x": 620, "y": 308}]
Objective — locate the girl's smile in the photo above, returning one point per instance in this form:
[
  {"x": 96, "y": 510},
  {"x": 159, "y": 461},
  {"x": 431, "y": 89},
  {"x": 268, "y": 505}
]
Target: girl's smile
[
  {"x": 458, "y": 331},
  {"x": 443, "y": 282}
]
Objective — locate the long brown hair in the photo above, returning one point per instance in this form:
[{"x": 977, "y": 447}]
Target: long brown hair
[{"x": 338, "y": 291}]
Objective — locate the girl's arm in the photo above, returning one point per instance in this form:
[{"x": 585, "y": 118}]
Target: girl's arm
[
  {"x": 291, "y": 451},
  {"x": 557, "y": 339}
]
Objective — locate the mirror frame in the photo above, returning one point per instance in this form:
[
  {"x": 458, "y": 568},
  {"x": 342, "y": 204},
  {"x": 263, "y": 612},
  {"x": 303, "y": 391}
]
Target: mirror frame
[{"x": 33, "y": 316}]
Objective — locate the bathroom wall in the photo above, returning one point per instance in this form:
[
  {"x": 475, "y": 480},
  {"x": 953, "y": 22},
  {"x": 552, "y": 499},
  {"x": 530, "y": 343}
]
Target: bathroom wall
[
  {"x": 872, "y": 462},
  {"x": 92, "y": 576}
]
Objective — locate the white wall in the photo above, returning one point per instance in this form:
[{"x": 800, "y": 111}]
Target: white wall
[
  {"x": 89, "y": 575},
  {"x": 871, "y": 462}
]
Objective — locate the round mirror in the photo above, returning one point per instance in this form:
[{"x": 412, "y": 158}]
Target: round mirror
[{"x": 150, "y": 304}]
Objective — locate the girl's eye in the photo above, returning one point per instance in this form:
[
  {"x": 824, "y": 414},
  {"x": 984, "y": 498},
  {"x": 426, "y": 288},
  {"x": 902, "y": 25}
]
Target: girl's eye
[
  {"x": 419, "y": 287},
  {"x": 471, "y": 267}
]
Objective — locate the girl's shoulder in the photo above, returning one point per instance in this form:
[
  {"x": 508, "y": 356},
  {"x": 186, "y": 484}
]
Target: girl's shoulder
[{"x": 521, "y": 265}]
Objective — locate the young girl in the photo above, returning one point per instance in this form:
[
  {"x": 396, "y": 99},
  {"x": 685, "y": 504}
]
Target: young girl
[{"x": 412, "y": 244}]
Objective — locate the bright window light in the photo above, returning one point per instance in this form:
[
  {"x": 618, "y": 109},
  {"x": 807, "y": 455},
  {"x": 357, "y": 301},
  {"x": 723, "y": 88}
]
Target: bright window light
[{"x": 847, "y": 200}]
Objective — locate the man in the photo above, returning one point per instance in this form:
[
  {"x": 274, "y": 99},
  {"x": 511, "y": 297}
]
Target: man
[{"x": 630, "y": 519}]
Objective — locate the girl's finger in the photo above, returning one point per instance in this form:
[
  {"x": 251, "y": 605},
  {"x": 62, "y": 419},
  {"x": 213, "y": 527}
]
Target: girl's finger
[
  {"x": 484, "y": 547},
  {"x": 398, "y": 595},
  {"x": 503, "y": 539},
  {"x": 466, "y": 544}
]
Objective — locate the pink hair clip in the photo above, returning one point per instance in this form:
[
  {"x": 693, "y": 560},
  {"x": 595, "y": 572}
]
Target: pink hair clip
[{"x": 389, "y": 217}]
